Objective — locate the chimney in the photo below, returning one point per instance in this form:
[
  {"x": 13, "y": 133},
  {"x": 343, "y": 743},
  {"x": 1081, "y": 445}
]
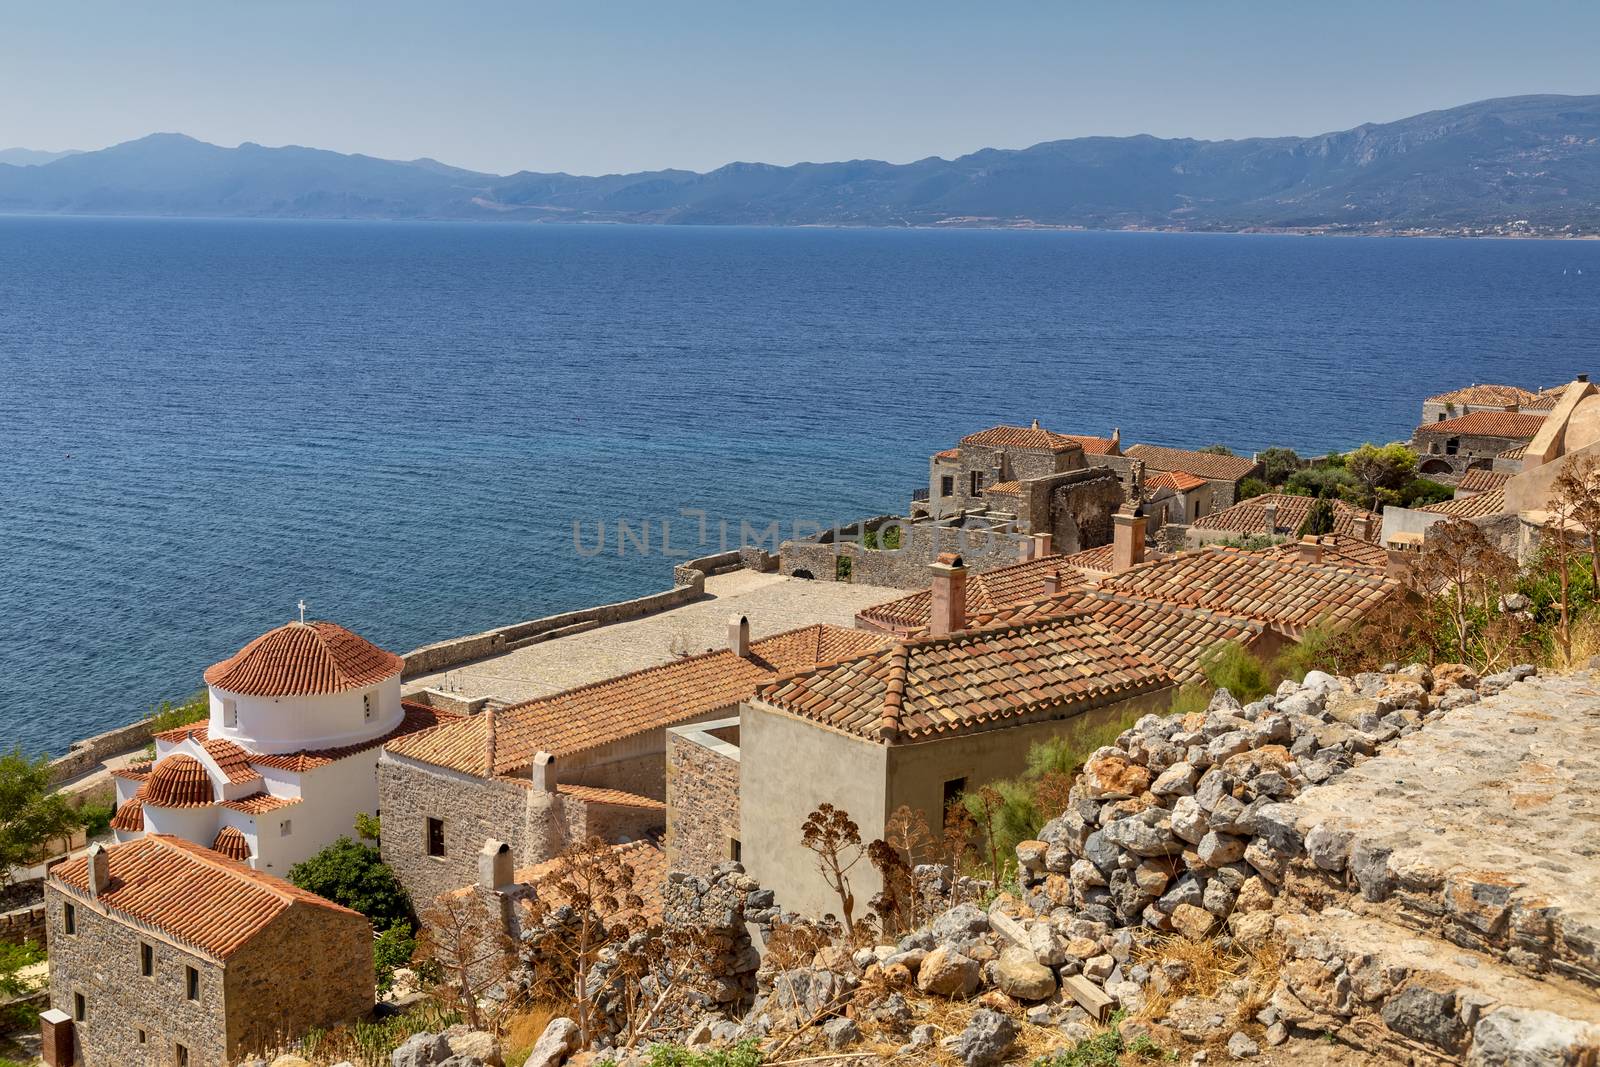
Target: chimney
[
  {"x": 57, "y": 1045},
  {"x": 1035, "y": 424},
  {"x": 1127, "y": 541},
  {"x": 949, "y": 595},
  {"x": 1269, "y": 512},
  {"x": 1309, "y": 549},
  {"x": 543, "y": 772},
  {"x": 1398, "y": 564},
  {"x": 491, "y": 741},
  {"x": 1052, "y": 583},
  {"x": 1361, "y": 527},
  {"x": 494, "y": 865},
  {"x": 99, "y": 870},
  {"x": 1116, "y": 441},
  {"x": 739, "y": 636},
  {"x": 1041, "y": 545}
]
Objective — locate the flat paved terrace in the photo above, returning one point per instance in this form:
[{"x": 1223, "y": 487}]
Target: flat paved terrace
[{"x": 772, "y": 602}]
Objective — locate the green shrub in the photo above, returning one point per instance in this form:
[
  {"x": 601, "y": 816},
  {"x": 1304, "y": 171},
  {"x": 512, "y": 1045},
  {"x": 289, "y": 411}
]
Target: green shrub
[
  {"x": 170, "y": 716},
  {"x": 1420, "y": 492},
  {"x": 350, "y": 873},
  {"x": 96, "y": 819},
  {"x": 32, "y": 814},
  {"x": 1252, "y": 487},
  {"x": 1278, "y": 464},
  {"x": 1319, "y": 519},
  {"x": 392, "y": 950},
  {"x": 1235, "y": 668}
]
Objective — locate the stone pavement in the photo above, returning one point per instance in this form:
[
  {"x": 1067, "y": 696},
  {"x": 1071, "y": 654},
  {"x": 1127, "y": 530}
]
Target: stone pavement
[{"x": 772, "y": 602}]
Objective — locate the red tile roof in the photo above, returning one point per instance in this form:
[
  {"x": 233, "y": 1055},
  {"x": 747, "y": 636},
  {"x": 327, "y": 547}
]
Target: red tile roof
[
  {"x": 949, "y": 454},
  {"x": 232, "y": 844},
  {"x": 972, "y": 680},
  {"x": 1510, "y": 425},
  {"x": 129, "y": 816},
  {"x": 1514, "y": 453},
  {"x": 417, "y": 717},
  {"x": 233, "y": 760},
  {"x": 1177, "y": 481},
  {"x": 133, "y": 772},
  {"x": 1206, "y": 465},
  {"x": 987, "y": 592},
  {"x": 1249, "y": 517},
  {"x": 1484, "y": 396},
  {"x": 1094, "y": 446},
  {"x": 195, "y": 896},
  {"x": 301, "y": 658},
  {"x": 1284, "y": 593},
  {"x": 646, "y": 858},
  {"x": 1092, "y": 559},
  {"x": 616, "y": 708},
  {"x": 1478, "y": 480},
  {"x": 1003, "y": 487},
  {"x": 615, "y": 797},
  {"x": 1029, "y": 437},
  {"x": 1337, "y": 548},
  {"x": 260, "y": 803},
  {"x": 1476, "y": 506},
  {"x": 179, "y": 781}
]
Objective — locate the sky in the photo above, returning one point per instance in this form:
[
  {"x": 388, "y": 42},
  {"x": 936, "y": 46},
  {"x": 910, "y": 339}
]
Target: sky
[{"x": 617, "y": 85}]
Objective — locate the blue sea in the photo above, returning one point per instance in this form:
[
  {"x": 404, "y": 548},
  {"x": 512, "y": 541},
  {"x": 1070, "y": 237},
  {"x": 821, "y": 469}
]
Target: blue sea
[{"x": 202, "y": 422}]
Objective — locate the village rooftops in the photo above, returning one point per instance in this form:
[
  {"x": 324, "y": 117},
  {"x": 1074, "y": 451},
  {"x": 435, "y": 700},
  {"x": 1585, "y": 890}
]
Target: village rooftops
[
  {"x": 303, "y": 659},
  {"x": 1208, "y": 465},
  {"x": 972, "y": 680},
  {"x": 986, "y": 591},
  {"x": 197, "y": 897},
  {"x": 1508, "y": 425},
  {"x": 1026, "y": 437},
  {"x": 617, "y": 708},
  {"x": 1177, "y": 481},
  {"x": 1337, "y": 548},
  {"x": 1476, "y": 506},
  {"x": 1509, "y": 396},
  {"x": 417, "y": 717},
  {"x": 1478, "y": 480},
  {"x": 1289, "y": 595},
  {"x": 1250, "y": 516}
]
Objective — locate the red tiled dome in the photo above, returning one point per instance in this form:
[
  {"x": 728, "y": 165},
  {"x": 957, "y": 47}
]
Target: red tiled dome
[
  {"x": 302, "y": 658},
  {"x": 231, "y": 843},
  {"x": 178, "y": 781},
  {"x": 129, "y": 816}
]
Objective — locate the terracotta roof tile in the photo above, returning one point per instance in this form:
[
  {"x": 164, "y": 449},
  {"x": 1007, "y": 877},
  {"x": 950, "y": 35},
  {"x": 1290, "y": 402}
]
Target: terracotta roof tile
[
  {"x": 1177, "y": 481},
  {"x": 1092, "y": 559},
  {"x": 197, "y": 897},
  {"x": 949, "y": 454},
  {"x": 1206, "y": 465},
  {"x": 1483, "y": 396},
  {"x": 260, "y": 803},
  {"x": 615, "y": 797},
  {"x": 646, "y": 856},
  {"x": 1476, "y": 506},
  {"x": 179, "y": 781},
  {"x": 616, "y": 708},
  {"x": 1545, "y": 399},
  {"x": 1284, "y": 593},
  {"x": 134, "y": 772},
  {"x": 1094, "y": 446},
  {"x": 1250, "y": 516},
  {"x": 179, "y": 734},
  {"x": 232, "y": 844},
  {"x": 987, "y": 591},
  {"x": 233, "y": 760},
  {"x": 417, "y": 718},
  {"x": 1514, "y": 453},
  {"x": 129, "y": 816},
  {"x": 298, "y": 659},
  {"x": 971, "y": 680},
  {"x": 1003, "y": 487},
  {"x": 1511, "y": 425},
  {"x": 1337, "y": 548},
  {"x": 1029, "y": 437},
  {"x": 1478, "y": 480}
]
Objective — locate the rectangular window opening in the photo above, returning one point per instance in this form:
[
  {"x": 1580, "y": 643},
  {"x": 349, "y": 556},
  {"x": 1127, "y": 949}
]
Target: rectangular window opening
[
  {"x": 191, "y": 983},
  {"x": 285, "y": 827},
  {"x": 69, "y": 918},
  {"x": 366, "y": 706},
  {"x": 230, "y": 713},
  {"x": 80, "y": 1007},
  {"x": 435, "y": 837},
  {"x": 947, "y": 485},
  {"x": 180, "y": 1053},
  {"x": 735, "y": 850},
  {"x": 952, "y": 794},
  {"x": 147, "y": 959}
]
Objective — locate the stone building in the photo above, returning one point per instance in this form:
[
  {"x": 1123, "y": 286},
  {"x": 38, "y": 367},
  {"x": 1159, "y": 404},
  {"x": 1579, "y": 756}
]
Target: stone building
[
  {"x": 288, "y": 755},
  {"x": 1473, "y": 398},
  {"x": 1176, "y": 497},
  {"x": 1279, "y": 515},
  {"x": 1223, "y": 472},
  {"x": 165, "y": 953},
  {"x": 1447, "y": 449},
  {"x": 589, "y": 762},
  {"x": 963, "y": 477}
]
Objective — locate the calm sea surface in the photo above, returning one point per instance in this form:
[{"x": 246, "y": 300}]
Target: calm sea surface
[{"x": 203, "y": 421}]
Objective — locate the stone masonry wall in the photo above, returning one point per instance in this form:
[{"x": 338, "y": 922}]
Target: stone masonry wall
[
  {"x": 1081, "y": 510},
  {"x": 472, "y": 809},
  {"x": 702, "y": 805},
  {"x": 101, "y": 962},
  {"x": 276, "y": 990}
]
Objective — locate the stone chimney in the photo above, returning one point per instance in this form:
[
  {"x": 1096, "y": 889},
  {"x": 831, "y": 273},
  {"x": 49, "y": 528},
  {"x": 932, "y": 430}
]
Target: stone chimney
[
  {"x": 543, "y": 772},
  {"x": 99, "y": 870},
  {"x": 1361, "y": 527},
  {"x": 1127, "y": 539},
  {"x": 949, "y": 595},
  {"x": 491, "y": 740},
  {"x": 494, "y": 865},
  {"x": 1041, "y": 545},
  {"x": 1398, "y": 563},
  {"x": 1035, "y": 424},
  {"x": 1309, "y": 549},
  {"x": 739, "y": 636},
  {"x": 1269, "y": 512},
  {"x": 1116, "y": 441},
  {"x": 1052, "y": 583}
]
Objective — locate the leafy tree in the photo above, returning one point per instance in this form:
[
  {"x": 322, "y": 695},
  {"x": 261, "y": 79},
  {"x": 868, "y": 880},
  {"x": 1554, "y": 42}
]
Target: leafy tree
[
  {"x": 31, "y": 815},
  {"x": 392, "y": 950},
  {"x": 1378, "y": 469},
  {"x": 1324, "y": 481},
  {"x": 1420, "y": 492},
  {"x": 1216, "y": 450},
  {"x": 1252, "y": 487},
  {"x": 13, "y": 987},
  {"x": 350, "y": 873},
  {"x": 368, "y": 827},
  {"x": 1278, "y": 464},
  {"x": 1319, "y": 519}
]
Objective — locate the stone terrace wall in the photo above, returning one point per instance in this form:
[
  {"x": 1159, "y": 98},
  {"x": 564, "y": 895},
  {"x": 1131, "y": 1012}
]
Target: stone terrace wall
[
  {"x": 702, "y": 798},
  {"x": 88, "y": 754},
  {"x": 906, "y": 567},
  {"x": 24, "y": 924}
]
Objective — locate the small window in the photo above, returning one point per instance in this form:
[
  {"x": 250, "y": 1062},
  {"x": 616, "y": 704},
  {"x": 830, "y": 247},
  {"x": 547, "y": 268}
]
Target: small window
[
  {"x": 230, "y": 713},
  {"x": 80, "y": 1007},
  {"x": 147, "y": 959},
  {"x": 735, "y": 850},
  {"x": 947, "y": 485},
  {"x": 69, "y": 918},
  {"x": 952, "y": 793},
  {"x": 977, "y": 483},
  {"x": 141, "y": 1037},
  {"x": 180, "y": 1053},
  {"x": 1452, "y": 446},
  {"x": 435, "y": 837},
  {"x": 366, "y": 706},
  {"x": 191, "y": 983}
]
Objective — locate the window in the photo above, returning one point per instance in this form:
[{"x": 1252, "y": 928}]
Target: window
[
  {"x": 947, "y": 485},
  {"x": 147, "y": 959},
  {"x": 141, "y": 1037},
  {"x": 1452, "y": 446},
  {"x": 952, "y": 793},
  {"x": 1197, "y": 509},
  {"x": 977, "y": 483},
  {"x": 69, "y": 918},
  {"x": 230, "y": 713},
  {"x": 180, "y": 1053},
  {"x": 80, "y": 1007},
  {"x": 285, "y": 828},
  {"x": 191, "y": 983},
  {"x": 735, "y": 850},
  {"x": 435, "y": 837},
  {"x": 366, "y": 706}
]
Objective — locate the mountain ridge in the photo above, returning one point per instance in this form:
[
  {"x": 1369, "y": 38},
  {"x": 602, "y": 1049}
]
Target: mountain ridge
[{"x": 1527, "y": 164}]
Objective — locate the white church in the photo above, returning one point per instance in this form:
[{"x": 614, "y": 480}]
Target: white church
[{"x": 288, "y": 756}]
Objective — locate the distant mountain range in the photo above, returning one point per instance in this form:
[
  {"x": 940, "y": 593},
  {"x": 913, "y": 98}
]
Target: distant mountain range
[{"x": 1517, "y": 164}]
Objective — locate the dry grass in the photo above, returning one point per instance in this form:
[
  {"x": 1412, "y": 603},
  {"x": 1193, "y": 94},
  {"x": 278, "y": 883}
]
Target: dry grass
[
  {"x": 522, "y": 1030},
  {"x": 1211, "y": 967}
]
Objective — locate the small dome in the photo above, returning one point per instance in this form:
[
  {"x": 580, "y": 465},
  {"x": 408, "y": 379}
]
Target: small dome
[
  {"x": 178, "y": 781},
  {"x": 301, "y": 659},
  {"x": 232, "y": 844},
  {"x": 129, "y": 816}
]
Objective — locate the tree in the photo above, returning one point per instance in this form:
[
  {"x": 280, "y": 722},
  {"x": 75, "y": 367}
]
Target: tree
[
  {"x": 31, "y": 815},
  {"x": 1252, "y": 487},
  {"x": 1216, "y": 450},
  {"x": 835, "y": 840},
  {"x": 350, "y": 873},
  {"x": 1319, "y": 519},
  {"x": 1462, "y": 567},
  {"x": 1278, "y": 464},
  {"x": 1378, "y": 469},
  {"x": 14, "y": 1011},
  {"x": 469, "y": 947}
]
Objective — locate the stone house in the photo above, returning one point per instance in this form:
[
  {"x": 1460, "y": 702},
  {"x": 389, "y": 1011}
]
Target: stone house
[
  {"x": 589, "y": 762},
  {"x": 1279, "y": 515},
  {"x": 1223, "y": 472},
  {"x": 962, "y": 477},
  {"x": 1447, "y": 449},
  {"x": 1176, "y": 497},
  {"x": 288, "y": 756},
  {"x": 165, "y": 953},
  {"x": 1473, "y": 398}
]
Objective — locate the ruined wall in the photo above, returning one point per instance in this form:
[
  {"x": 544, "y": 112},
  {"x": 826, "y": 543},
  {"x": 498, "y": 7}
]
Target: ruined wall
[
  {"x": 702, "y": 799},
  {"x": 1081, "y": 510}
]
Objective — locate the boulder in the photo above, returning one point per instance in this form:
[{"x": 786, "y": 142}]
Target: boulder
[
  {"x": 559, "y": 1040},
  {"x": 1525, "y": 1037},
  {"x": 477, "y": 1045},
  {"x": 1110, "y": 775},
  {"x": 1192, "y": 922},
  {"x": 425, "y": 1050},
  {"x": 1020, "y": 975},
  {"x": 1216, "y": 850},
  {"x": 1426, "y": 1015},
  {"x": 841, "y": 1033},
  {"x": 986, "y": 1039},
  {"x": 961, "y": 923},
  {"x": 947, "y": 973},
  {"x": 1454, "y": 676},
  {"x": 1148, "y": 833},
  {"x": 1242, "y": 1047}
]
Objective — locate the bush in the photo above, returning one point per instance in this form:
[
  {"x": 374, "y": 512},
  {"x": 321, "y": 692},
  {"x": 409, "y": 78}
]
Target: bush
[
  {"x": 1235, "y": 668},
  {"x": 31, "y": 814},
  {"x": 96, "y": 819},
  {"x": 13, "y": 958},
  {"x": 392, "y": 950},
  {"x": 1319, "y": 519},
  {"x": 350, "y": 873},
  {"x": 1323, "y": 481},
  {"x": 1278, "y": 464},
  {"x": 170, "y": 716},
  {"x": 1252, "y": 487},
  {"x": 1420, "y": 492}
]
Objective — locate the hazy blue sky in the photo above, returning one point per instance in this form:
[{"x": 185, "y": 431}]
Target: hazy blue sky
[{"x": 616, "y": 85}]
